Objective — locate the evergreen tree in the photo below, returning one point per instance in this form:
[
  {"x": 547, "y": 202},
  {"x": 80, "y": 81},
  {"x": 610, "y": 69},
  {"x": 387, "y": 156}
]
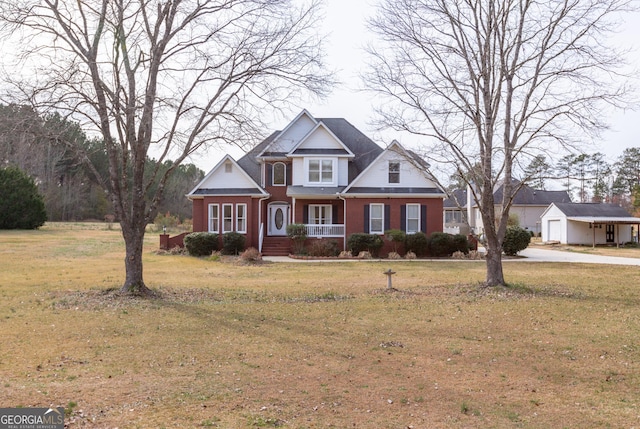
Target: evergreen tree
[{"x": 21, "y": 206}]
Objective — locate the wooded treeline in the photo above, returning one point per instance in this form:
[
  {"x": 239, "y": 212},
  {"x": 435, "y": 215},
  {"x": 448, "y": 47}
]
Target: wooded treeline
[
  {"x": 591, "y": 177},
  {"x": 43, "y": 147}
]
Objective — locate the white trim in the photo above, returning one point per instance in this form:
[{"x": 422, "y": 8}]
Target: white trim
[
  {"x": 284, "y": 173},
  {"x": 334, "y": 171},
  {"x": 325, "y": 209},
  {"x": 371, "y": 218},
  {"x": 295, "y": 120},
  {"x": 209, "y": 218},
  {"x": 243, "y": 218},
  {"x": 214, "y": 169},
  {"x": 318, "y": 125},
  {"x": 224, "y": 218},
  {"x": 407, "y": 218}
]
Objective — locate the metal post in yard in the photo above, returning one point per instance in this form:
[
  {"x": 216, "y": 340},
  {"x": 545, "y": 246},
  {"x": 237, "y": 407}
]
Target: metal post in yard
[{"x": 389, "y": 273}]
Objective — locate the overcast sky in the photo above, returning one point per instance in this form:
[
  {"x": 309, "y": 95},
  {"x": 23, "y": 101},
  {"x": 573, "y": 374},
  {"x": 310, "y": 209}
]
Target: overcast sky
[{"x": 345, "y": 24}]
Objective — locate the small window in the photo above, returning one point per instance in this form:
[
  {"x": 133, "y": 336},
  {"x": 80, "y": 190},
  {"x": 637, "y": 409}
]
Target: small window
[
  {"x": 320, "y": 214},
  {"x": 376, "y": 218},
  {"x": 214, "y": 218},
  {"x": 227, "y": 218},
  {"x": 394, "y": 172},
  {"x": 241, "y": 218},
  {"x": 413, "y": 218},
  {"x": 228, "y": 167},
  {"x": 320, "y": 171},
  {"x": 279, "y": 177}
]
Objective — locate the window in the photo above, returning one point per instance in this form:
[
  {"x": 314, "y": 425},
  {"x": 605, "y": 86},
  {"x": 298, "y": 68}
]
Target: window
[
  {"x": 320, "y": 171},
  {"x": 453, "y": 216},
  {"x": 279, "y": 176},
  {"x": 228, "y": 167},
  {"x": 376, "y": 218},
  {"x": 413, "y": 218},
  {"x": 227, "y": 218},
  {"x": 214, "y": 218},
  {"x": 241, "y": 218},
  {"x": 320, "y": 214},
  {"x": 394, "y": 172}
]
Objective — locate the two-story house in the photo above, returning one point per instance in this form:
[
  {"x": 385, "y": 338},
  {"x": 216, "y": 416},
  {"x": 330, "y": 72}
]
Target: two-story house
[{"x": 322, "y": 173}]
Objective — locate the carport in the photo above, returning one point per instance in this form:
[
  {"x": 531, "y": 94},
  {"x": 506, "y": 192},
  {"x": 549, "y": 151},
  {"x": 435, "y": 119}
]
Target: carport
[{"x": 609, "y": 223}]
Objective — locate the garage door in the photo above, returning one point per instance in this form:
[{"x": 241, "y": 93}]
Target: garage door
[{"x": 555, "y": 230}]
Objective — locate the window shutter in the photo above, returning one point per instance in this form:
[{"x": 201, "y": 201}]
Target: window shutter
[
  {"x": 305, "y": 214},
  {"x": 366, "y": 218},
  {"x": 403, "y": 217},
  {"x": 288, "y": 171},
  {"x": 387, "y": 217},
  {"x": 269, "y": 174},
  {"x": 334, "y": 214},
  {"x": 423, "y": 217}
]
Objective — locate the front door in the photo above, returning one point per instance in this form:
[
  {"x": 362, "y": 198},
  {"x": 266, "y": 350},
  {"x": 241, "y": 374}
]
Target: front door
[
  {"x": 610, "y": 233},
  {"x": 278, "y": 219}
]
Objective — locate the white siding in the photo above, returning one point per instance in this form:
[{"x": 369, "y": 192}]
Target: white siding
[
  {"x": 292, "y": 135},
  {"x": 377, "y": 175},
  {"x": 320, "y": 139},
  {"x": 220, "y": 179}
]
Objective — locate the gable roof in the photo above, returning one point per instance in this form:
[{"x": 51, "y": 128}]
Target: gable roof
[
  {"x": 362, "y": 147},
  {"x": 527, "y": 196},
  {"x": 417, "y": 164},
  {"x": 300, "y": 149},
  {"x": 244, "y": 185},
  {"x": 592, "y": 210}
]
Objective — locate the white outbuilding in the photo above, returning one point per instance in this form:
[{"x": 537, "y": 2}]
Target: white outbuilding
[{"x": 588, "y": 224}]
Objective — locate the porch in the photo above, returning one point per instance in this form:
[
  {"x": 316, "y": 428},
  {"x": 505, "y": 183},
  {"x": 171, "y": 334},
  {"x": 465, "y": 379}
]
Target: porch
[{"x": 324, "y": 230}]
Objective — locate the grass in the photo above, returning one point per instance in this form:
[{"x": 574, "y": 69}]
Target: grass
[{"x": 301, "y": 345}]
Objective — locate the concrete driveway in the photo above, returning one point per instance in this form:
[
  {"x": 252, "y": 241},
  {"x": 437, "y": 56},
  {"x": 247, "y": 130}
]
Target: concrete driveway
[{"x": 536, "y": 254}]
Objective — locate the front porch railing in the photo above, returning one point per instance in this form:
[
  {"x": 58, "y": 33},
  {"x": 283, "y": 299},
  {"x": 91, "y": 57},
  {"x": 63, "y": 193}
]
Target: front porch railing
[{"x": 325, "y": 230}]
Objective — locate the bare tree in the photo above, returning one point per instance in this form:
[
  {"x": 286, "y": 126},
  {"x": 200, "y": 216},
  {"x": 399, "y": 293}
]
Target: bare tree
[
  {"x": 495, "y": 82},
  {"x": 167, "y": 77}
]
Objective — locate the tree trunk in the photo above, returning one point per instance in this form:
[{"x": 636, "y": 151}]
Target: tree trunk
[
  {"x": 495, "y": 275},
  {"x": 134, "y": 240}
]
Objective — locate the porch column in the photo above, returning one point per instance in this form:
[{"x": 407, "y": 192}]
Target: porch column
[{"x": 594, "y": 235}]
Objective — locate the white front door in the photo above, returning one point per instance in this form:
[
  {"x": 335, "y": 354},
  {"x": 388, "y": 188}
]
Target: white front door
[{"x": 278, "y": 219}]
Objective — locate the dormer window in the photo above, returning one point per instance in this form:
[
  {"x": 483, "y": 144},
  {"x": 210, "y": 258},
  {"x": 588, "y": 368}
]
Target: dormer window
[
  {"x": 394, "y": 172},
  {"x": 320, "y": 171},
  {"x": 279, "y": 177}
]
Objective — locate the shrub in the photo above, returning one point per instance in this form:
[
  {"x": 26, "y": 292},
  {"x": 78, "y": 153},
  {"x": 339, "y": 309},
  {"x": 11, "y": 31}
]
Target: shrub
[
  {"x": 396, "y": 237},
  {"x": 201, "y": 243},
  {"x": 515, "y": 240},
  {"x": 394, "y": 255},
  {"x": 416, "y": 243},
  {"x": 323, "y": 248},
  {"x": 298, "y": 233},
  {"x": 345, "y": 254},
  {"x": 410, "y": 255},
  {"x": 360, "y": 242},
  {"x": 232, "y": 243},
  {"x": 251, "y": 255},
  {"x": 460, "y": 243},
  {"x": 21, "y": 206},
  {"x": 441, "y": 244}
]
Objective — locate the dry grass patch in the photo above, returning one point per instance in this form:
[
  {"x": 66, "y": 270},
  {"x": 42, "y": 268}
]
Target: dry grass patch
[{"x": 313, "y": 345}]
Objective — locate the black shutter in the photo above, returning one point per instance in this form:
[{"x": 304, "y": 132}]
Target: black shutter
[
  {"x": 305, "y": 214},
  {"x": 269, "y": 174},
  {"x": 366, "y": 218},
  {"x": 387, "y": 217},
  {"x": 288, "y": 170},
  {"x": 423, "y": 217},
  {"x": 334, "y": 214},
  {"x": 403, "y": 217}
]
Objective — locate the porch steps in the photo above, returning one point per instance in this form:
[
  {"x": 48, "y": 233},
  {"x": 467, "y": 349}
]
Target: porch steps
[{"x": 276, "y": 246}]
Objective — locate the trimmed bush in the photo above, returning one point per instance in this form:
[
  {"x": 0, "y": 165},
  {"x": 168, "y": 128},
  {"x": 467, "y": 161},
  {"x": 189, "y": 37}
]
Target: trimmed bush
[
  {"x": 251, "y": 255},
  {"x": 515, "y": 240},
  {"x": 361, "y": 242},
  {"x": 233, "y": 243},
  {"x": 201, "y": 243},
  {"x": 460, "y": 243},
  {"x": 416, "y": 243},
  {"x": 441, "y": 244}
]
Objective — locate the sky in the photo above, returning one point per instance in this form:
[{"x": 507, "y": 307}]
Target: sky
[{"x": 345, "y": 24}]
